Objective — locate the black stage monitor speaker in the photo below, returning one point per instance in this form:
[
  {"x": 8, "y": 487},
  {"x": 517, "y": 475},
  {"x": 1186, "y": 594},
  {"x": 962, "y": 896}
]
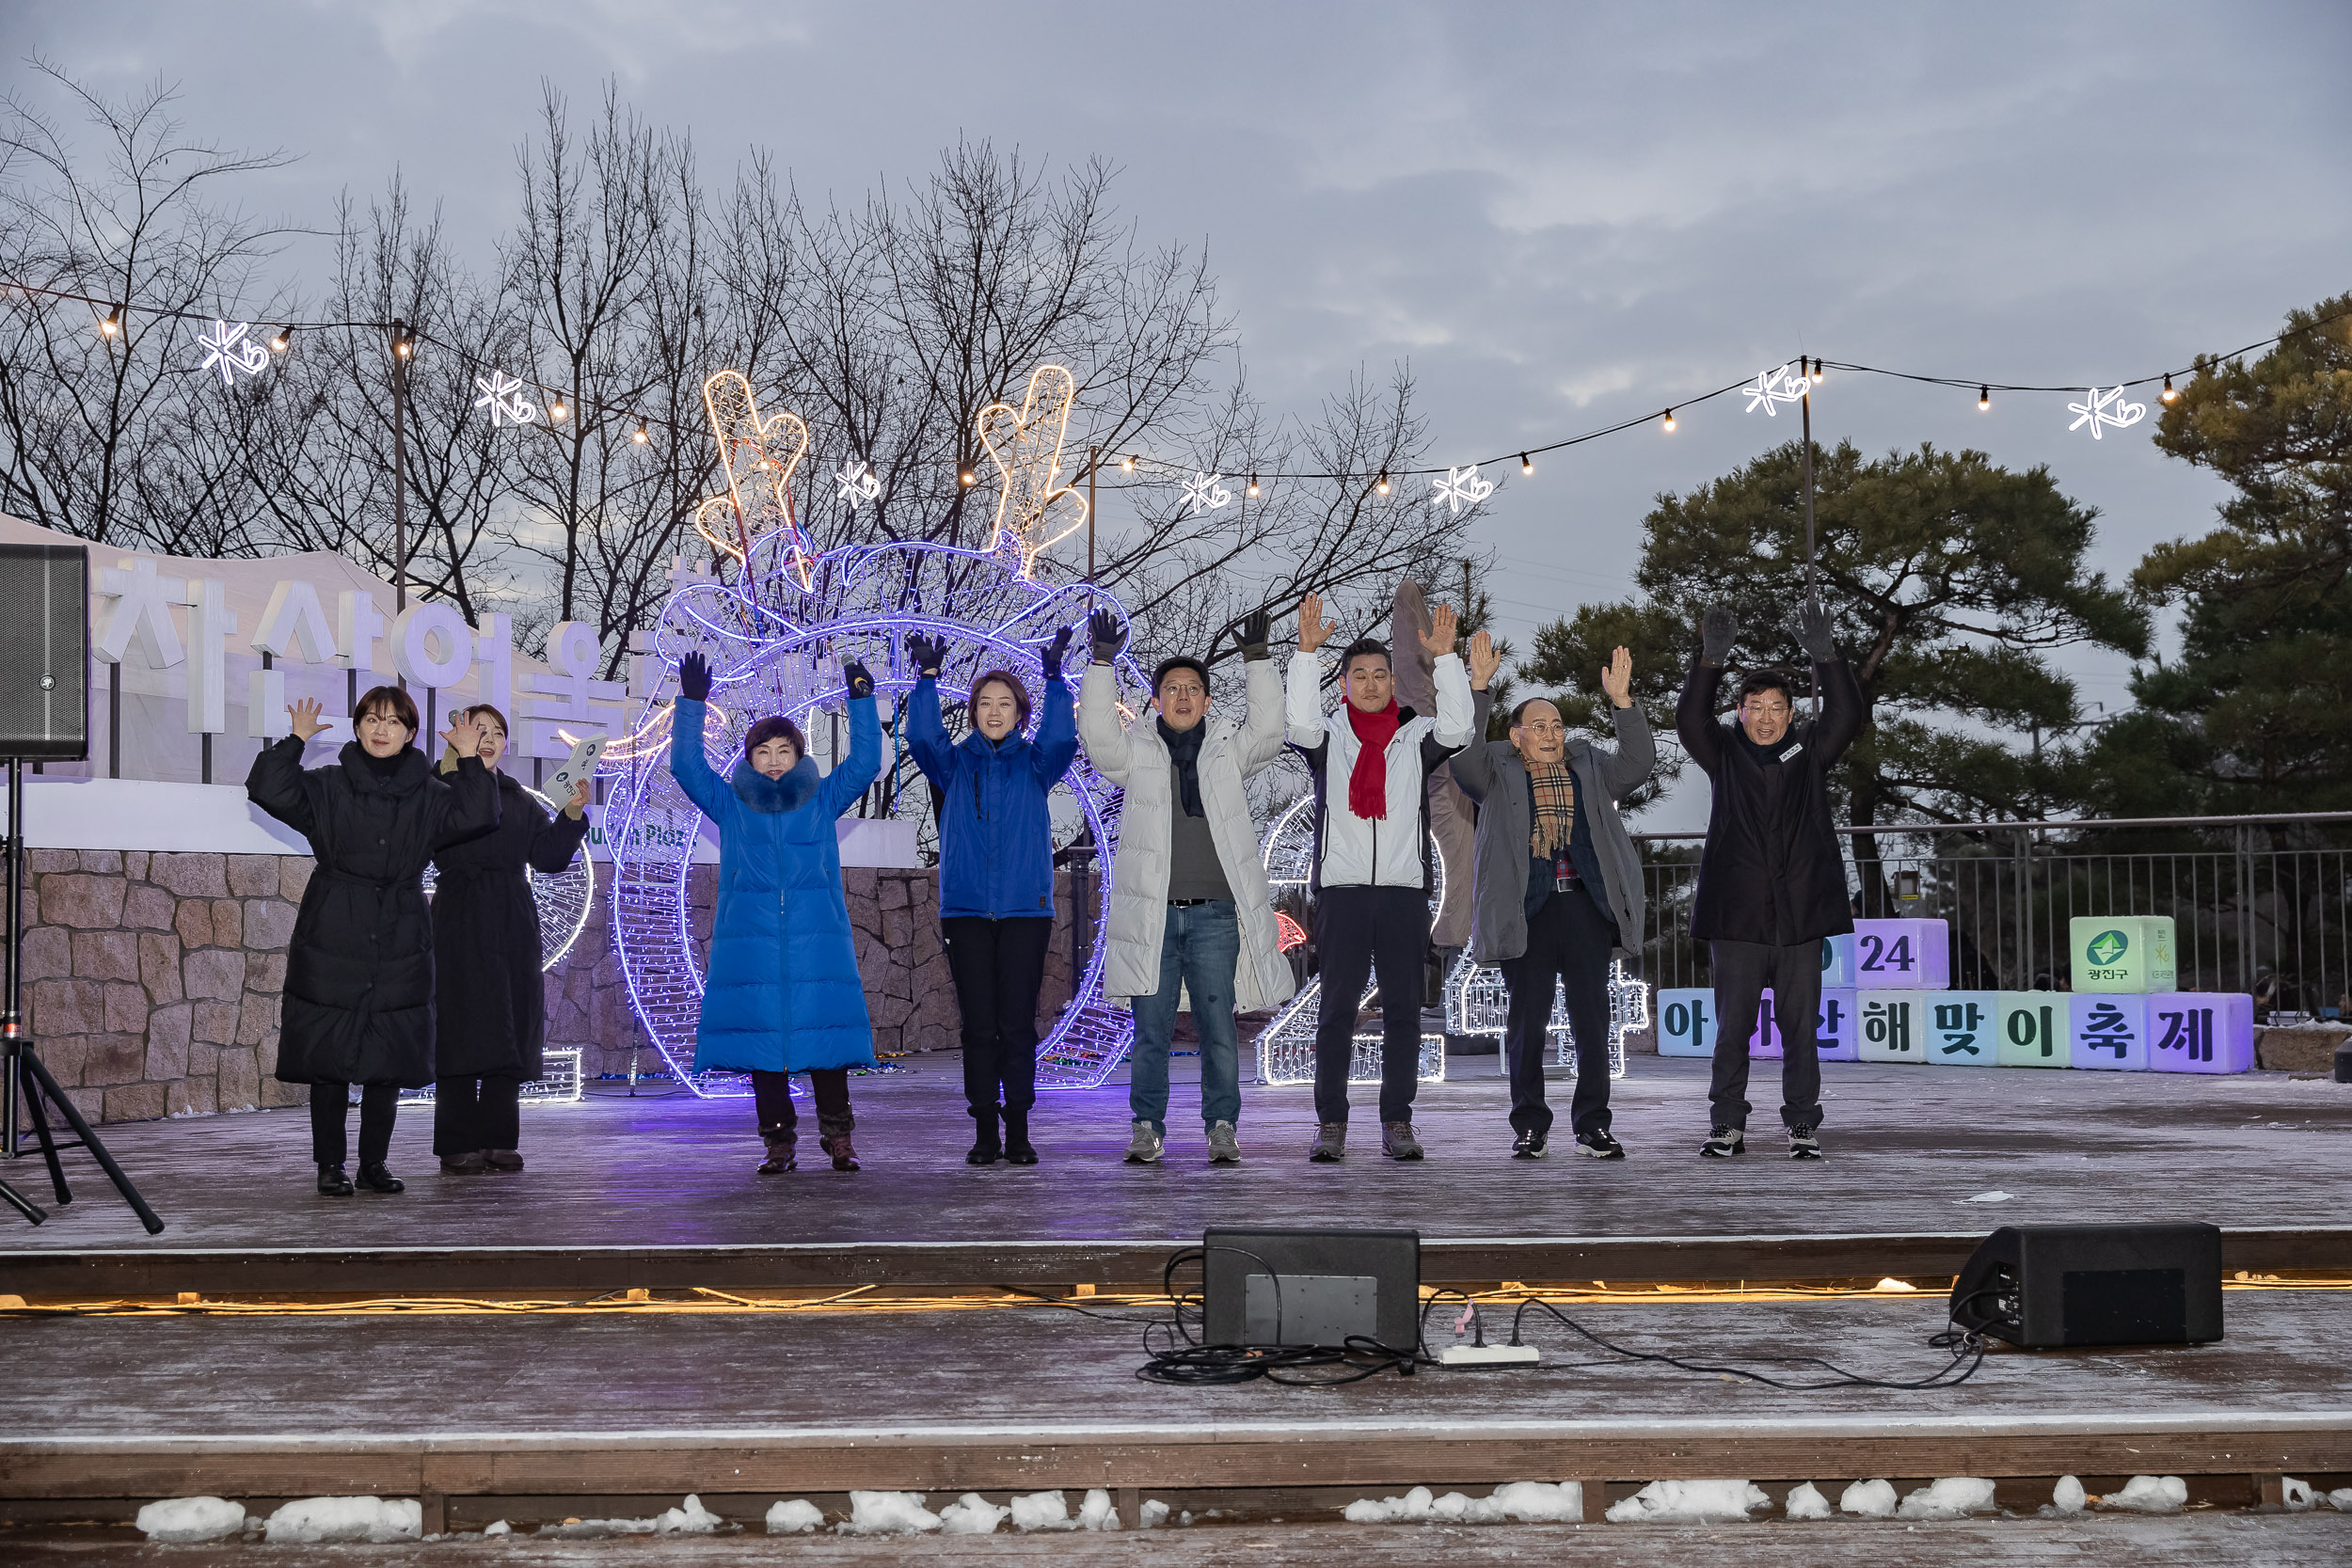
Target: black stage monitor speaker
[
  {"x": 1311, "y": 1287},
  {"x": 2043, "y": 1285},
  {"x": 44, "y": 652}
]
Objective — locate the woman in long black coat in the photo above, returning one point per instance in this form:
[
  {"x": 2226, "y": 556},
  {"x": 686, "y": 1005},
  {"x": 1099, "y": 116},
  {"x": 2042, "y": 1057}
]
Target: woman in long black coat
[
  {"x": 357, "y": 1007},
  {"x": 493, "y": 1032}
]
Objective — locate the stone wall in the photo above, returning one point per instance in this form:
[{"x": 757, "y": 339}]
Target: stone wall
[{"x": 151, "y": 980}]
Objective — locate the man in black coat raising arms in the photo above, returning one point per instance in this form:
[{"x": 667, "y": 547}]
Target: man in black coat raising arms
[{"x": 1772, "y": 879}]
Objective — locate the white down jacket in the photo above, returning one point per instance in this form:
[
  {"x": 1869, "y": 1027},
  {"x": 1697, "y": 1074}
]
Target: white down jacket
[
  {"x": 1351, "y": 851},
  {"x": 1135, "y": 758}
]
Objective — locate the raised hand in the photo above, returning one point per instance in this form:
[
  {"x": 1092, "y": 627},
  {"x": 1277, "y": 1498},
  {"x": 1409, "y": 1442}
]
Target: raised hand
[
  {"x": 462, "y": 737},
  {"x": 1106, "y": 634},
  {"x": 1438, "y": 640},
  {"x": 1813, "y": 632},
  {"x": 859, "y": 679},
  {"x": 929, "y": 653},
  {"x": 1313, "y": 630},
  {"x": 581, "y": 792},
  {"x": 1617, "y": 678},
  {"x": 1256, "y": 628},
  {"x": 1051, "y": 659},
  {"x": 305, "y": 718},
  {"x": 1719, "y": 628},
  {"x": 1483, "y": 660},
  {"x": 694, "y": 678}
]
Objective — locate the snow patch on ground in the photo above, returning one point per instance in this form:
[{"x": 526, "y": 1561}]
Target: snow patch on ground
[
  {"x": 2296, "y": 1495},
  {"x": 971, "y": 1515},
  {"x": 1689, "y": 1502},
  {"x": 795, "y": 1516},
  {"x": 1098, "y": 1511},
  {"x": 888, "y": 1513},
  {"x": 2148, "y": 1495},
  {"x": 1041, "y": 1511},
  {"x": 1949, "y": 1498},
  {"x": 1996, "y": 1196},
  {"x": 1526, "y": 1500},
  {"x": 689, "y": 1518},
  {"x": 1154, "y": 1513},
  {"x": 313, "y": 1519},
  {"x": 1806, "y": 1502},
  {"x": 191, "y": 1519},
  {"x": 2341, "y": 1497},
  {"x": 498, "y": 1526},
  {"x": 1871, "y": 1500},
  {"x": 2067, "y": 1497}
]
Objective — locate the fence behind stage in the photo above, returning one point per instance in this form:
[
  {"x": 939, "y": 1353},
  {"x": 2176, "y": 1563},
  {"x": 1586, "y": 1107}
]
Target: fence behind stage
[{"x": 2259, "y": 904}]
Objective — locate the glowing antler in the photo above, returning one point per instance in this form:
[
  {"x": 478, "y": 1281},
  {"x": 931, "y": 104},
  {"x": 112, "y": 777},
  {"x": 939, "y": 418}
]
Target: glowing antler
[
  {"x": 1026, "y": 445},
  {"x": 760, "y": 458}
]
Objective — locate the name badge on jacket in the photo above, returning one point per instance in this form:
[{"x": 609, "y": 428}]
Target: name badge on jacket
[{"x": 1792, "y": 750}]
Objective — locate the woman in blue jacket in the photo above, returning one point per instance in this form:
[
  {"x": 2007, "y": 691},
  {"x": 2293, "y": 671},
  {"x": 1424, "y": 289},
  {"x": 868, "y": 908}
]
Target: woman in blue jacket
[
  {"x": 783, "y": 995},
  {"x": 996, "y": 875}
]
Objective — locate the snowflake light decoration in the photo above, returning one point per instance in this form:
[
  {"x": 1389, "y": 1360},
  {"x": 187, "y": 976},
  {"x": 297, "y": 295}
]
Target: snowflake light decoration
[
  {"x": 2105, "y": 409},
  {"x": 1771, "y": 389},
  {"x": 227, "y": 350},
  {"x": 1460, "y": 488},
  {"x": 502, "y": 395},
  {"x": 1206, "y": 493},
  {"x": 858, "y": 483}
]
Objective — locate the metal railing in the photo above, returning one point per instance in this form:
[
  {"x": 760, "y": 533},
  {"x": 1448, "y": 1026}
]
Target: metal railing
[{"x": 2259, "y": 904}]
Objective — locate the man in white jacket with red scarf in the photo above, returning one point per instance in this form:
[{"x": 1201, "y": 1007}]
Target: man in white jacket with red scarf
[{"x": 1371, "y": 760}]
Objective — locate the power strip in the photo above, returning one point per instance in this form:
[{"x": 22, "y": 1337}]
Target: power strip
[{"x": 1489, "y": 1356}]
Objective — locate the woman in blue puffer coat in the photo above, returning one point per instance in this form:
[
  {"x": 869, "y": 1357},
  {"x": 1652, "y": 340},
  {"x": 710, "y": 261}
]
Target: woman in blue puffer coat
[
  {"x": 996, "y": 875},
  {"x": 783, "y": 995}
]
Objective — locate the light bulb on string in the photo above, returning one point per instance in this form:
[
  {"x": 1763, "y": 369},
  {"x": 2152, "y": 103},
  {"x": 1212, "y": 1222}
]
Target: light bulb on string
[
  {"x": 1253, "y": 486},
  {"x": 1670, "y": 420},
  {"x": 1128, "y": 465},
  {"x": 1984, "y": 398},
  {"x": 280, "y": 339},
  {"x": 1525, "y": 465},
  {"x": 1817, "y": 369},
  {"x": 644, "y": 437},
  {"x": 556, "y": 409},
  {"x": 2168, "y": 395},
  {"x": 1383, "y": 486},
  {"x": 404, "y": 342},
  {"x": 113, "y": 323},
  {"x": 966, "y": 476}
]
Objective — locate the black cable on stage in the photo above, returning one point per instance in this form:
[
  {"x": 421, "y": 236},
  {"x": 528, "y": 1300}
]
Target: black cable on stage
[{"x": 1965, "y": 1345}]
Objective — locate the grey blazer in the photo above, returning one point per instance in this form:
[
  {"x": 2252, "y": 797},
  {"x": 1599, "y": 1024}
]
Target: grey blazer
[{"x": 1491, "y": 773}]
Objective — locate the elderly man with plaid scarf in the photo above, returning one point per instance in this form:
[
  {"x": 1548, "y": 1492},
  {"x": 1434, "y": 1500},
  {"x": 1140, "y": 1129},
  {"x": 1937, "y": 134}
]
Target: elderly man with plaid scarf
[{"x": 1559, "y": 887}]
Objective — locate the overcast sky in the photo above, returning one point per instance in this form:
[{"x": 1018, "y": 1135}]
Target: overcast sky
[{"x": 1562, "y": 214}]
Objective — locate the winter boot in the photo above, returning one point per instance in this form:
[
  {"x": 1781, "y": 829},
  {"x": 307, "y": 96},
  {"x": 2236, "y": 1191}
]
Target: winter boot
[
  {"x": 985, "y": 1149},
  {"x": 1330, "y": 1145},
  {"x": 781, "y": 1142},
  {"x": 377, "y": 1177},
  {"x": 1397, "y": 1141},
  {"x": 1018, "y": 1149},
  {"x": 333, "y": 1182},
  {"x": 832, "y": 1136}
]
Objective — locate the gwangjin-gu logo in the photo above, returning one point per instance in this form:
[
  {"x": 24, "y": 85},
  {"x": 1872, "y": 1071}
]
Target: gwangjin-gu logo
[{"x": 2107, "y": 946}]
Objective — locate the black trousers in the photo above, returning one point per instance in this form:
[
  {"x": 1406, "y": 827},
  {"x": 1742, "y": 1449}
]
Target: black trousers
[
  {"x": 378, "y": 1104},
  {"x": 999, "y": 965},
  {"x": 1742, "y": 970},
  {"x": 476, "y": 1112},
  {"x": 1569, "y": 938},
  {"x": 771, "y": 1096},
  {"x": 1360, "y": 932}
]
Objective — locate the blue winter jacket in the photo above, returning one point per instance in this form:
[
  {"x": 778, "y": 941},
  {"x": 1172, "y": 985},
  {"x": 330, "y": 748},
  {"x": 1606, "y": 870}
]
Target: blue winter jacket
[
  {"x": 995, "y": 837},
  {"x": 783, "y": 994}
]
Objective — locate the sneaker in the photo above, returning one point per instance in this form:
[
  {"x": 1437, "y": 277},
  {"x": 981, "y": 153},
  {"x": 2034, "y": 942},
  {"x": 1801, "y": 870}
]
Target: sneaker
[
  {"x": 1224, "y": 1147},
  {"x": 1143, "y": 1145},
  {"x": 1330, "y": 1145},
  {"x": 1397, "y": 1141},
  {"x": 1530, "y": 1146},
  {"x": 1724, "y": 1142},
  {"x": 1599, "y": 1145},
  {"x": 1802, "y": 1143}
]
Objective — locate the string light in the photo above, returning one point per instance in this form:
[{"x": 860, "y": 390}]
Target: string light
[
  {"x": 1383, "y": 486},
  {"x": 113, "y": 323},
  {"x": 1128, "y": 465},
  {"x": 642, "y": 437},
  {"x": 964, "y": 474},
  {"x": 1526, "y": 467},
  {"x": 1253, "y": 487},
  {"x": 1984, "y": 398},
  {"x": 280, "y": 339},
  {"x": 2168, "y": 395},
  {"x": 555, "y": 408},
  {"x": 1817, "y": 369},
  {"x": 404, "y": 347},
  {"x": 1670, "y": 419}
]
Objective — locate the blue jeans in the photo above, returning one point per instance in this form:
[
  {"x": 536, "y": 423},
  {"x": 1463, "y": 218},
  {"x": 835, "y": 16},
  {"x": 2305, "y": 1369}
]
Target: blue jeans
[{"x": 1198, "y": 953}]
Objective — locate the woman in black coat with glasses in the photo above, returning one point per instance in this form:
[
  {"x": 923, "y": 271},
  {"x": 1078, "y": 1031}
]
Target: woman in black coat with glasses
[{"x": 357, "y": 1007}]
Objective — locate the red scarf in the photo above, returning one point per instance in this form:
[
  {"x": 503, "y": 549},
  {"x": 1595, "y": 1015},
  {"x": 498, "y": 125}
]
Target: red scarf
[{"x": 1367, "y": 781}]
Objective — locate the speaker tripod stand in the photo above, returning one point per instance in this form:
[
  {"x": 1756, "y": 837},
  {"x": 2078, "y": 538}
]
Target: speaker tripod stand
[{"x": 27, "y": 1081}]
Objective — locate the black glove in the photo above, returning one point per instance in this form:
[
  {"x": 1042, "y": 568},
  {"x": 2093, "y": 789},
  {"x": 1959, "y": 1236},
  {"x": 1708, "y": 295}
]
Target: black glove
[
  {"x": 694, "y": 678},
  {"x": 860, "y": 679},
  {"x": 1254, "y": 628},
  {"x": 1051, "y": 658},
  {"x": 1812, "y": 630},
  {"x": 1719, "y": 628},
  {"x": 929, "y": 653},
  {"x": 1108, "y": 635}
]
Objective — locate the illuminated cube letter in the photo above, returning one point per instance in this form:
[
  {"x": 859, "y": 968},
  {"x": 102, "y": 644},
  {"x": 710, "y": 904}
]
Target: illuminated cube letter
[
  {"x": 1837, "y": 1031},
  {"x": 2121, "y": 953},
  {"x": 1837, "y": 962},
  {"x": 1686, "y": 1022},
  {"x": 1909, "y": 954},
  {"x": 2110, "y": 1031},
  {"x": 1891, "y": 1025},
  {"x": 2200, "y": 1032},
  {"x": 2036, "y": 1030},
  {"x": 1962, "y": 1028}
]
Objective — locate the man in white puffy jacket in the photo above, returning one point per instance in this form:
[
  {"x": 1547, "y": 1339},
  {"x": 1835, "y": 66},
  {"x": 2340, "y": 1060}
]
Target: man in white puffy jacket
[
  {"x": 1189, "y": 909},
  {"x": 1371, "y": 760}
]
